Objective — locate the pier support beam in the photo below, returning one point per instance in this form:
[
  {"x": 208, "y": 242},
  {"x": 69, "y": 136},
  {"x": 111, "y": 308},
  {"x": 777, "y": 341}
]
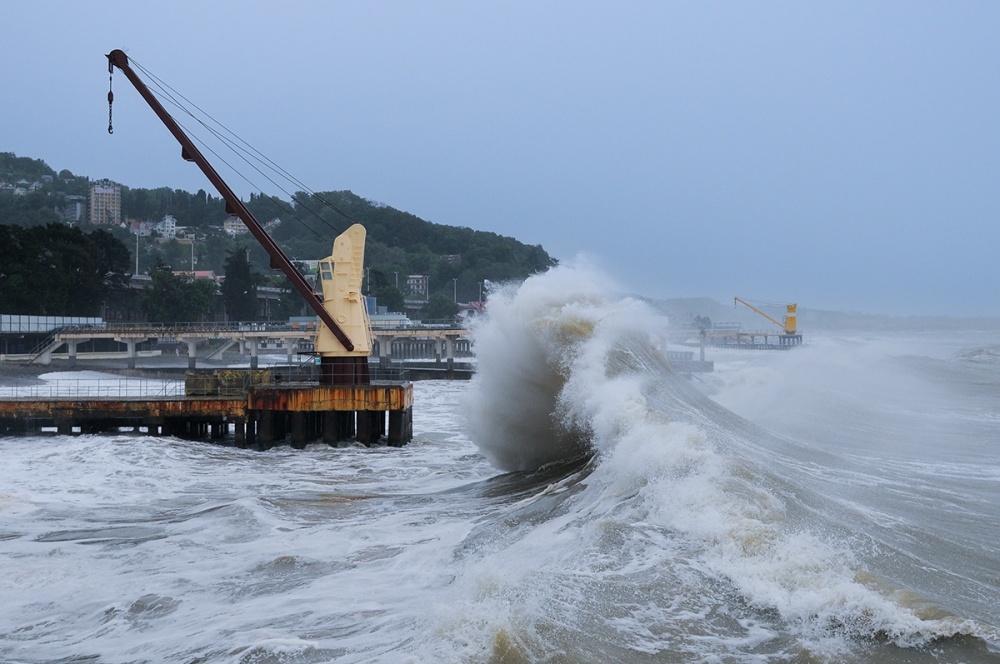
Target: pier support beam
[
  {"x": 265, "y": 431},
  {"x": 192, "y": 347},
  {"x": 254, "y": 350},
  {"x": 71, "y": 350},
  {"x": 369, "y": 429},
  {"x": 449, "y": 344},
  {"x": 131, "y": 344},
  {"x": 385, "y": 350},
  {"x": 330, "y": 430},
  {"x": 299, "y": 433},
  {"x": 251, "y": 431},
  {"x": 343, "y": 425},
  {"x": 239, "y": 432},
  {"x": 400, "y": 427}
]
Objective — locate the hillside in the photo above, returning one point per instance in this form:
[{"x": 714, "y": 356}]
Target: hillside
[
  {"x": 457, "y": 260},
  {"x": 400, "y": 243}
]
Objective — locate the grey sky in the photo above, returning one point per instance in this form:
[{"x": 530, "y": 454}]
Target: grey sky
[{"x": 842, "y": 155}]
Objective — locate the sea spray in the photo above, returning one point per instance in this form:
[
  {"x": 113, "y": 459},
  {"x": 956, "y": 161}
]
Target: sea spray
[
  {"x": 541, "y": 357},
  {"x": 568, "y": 367}
]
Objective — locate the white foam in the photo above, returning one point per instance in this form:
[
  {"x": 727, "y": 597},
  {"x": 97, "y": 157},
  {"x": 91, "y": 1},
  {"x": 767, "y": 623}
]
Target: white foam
[{"x": 565, "y": 368}]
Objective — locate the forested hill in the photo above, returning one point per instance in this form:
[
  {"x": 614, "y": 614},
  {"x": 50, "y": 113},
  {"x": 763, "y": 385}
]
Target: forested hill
[
  {"x": 400, "y": 239},
  {"x": 454, "y": 258}
]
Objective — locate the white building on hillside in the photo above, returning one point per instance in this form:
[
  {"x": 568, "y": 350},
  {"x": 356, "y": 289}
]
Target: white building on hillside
[
  {"x": 234, "y": 226},
  {"x": 167, "y": 227}
]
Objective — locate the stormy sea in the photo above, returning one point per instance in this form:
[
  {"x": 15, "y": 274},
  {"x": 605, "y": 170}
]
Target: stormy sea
[{"x": 578, "y": 500}]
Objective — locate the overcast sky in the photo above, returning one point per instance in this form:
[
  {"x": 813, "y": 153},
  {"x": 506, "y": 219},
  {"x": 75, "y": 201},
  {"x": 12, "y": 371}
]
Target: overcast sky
[{"x": 842, "y": 155}]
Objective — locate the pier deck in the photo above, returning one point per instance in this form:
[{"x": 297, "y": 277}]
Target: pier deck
[{"x": 753, "y": 340}]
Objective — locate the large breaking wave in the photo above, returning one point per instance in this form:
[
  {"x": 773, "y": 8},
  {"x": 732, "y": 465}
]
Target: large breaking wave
[{"x": 705, "y": 505}]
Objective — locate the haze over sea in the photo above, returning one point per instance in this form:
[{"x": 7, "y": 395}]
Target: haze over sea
[{"x": 577, "y": 501}]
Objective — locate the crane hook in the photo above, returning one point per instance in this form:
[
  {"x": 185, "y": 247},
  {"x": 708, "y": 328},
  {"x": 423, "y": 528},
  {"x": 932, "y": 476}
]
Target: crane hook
[{"x": 111, "y": 96}]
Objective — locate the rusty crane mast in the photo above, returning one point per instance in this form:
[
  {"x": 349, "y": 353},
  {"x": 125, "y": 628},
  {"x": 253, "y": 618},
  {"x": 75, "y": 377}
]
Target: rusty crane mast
[{"x": 344, "y": 338}]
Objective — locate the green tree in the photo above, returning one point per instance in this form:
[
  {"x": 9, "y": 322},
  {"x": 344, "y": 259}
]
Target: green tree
[
  {"x": 217, "y": 246},
  {"x": 15, "y": 168},
  {"x": 113, "y": 258},
  {"x": 289, "y": 302},
  {"x": 388, "y": 296},
  {"x": 239, "y": 290},
  {"x": 441, "y": 307},
  {"x": 177, "y": 299},
  {"x": 58, "y": 270},
  {"x": 34, "y": 209}
]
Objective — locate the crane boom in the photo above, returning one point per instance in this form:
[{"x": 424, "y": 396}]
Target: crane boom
[
  {"x": 234, "y": 205},
  {"x": 788, "y": 326}
]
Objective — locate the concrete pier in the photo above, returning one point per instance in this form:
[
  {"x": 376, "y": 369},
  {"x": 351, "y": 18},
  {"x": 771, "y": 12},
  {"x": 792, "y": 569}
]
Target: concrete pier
[
  {"x": 752, "y": 340},
  {"x": 442, "y": 344}
]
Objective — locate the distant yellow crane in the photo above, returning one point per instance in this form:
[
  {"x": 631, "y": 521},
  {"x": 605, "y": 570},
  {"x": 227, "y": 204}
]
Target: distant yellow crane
[{"x": 790, "y": 323}]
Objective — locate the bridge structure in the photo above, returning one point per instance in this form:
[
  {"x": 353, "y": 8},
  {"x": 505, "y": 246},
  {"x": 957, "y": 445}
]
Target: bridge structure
[{"x": 441, "y": 342}]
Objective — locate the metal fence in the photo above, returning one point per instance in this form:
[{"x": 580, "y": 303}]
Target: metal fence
[
  {"x": 227, "y": 383},
  {"x": 95, "y": 388}
]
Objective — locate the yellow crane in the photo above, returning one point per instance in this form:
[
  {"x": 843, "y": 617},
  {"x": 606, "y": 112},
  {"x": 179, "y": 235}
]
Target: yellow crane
[{"x": 790, "y": 323}]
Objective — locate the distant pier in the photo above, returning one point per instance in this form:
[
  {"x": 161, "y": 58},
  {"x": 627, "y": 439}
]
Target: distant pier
[
  {"x": 752, "y": 340},
  {"x": 446, "y": 343}
]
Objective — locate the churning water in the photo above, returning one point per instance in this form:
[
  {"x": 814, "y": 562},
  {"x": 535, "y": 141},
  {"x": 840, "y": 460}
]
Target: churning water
[{"x": 577, "y": 502}]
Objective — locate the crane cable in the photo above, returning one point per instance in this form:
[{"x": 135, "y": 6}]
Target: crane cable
[
  {"x": 245, "y": 153},
  {"x": 169, "y": 93},
  {"x": 762, "y": 303}
]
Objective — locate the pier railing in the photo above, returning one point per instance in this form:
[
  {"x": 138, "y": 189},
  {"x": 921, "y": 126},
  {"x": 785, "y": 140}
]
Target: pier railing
[
  {"x": 223, "y": 383},
  {"x": 237, "y": 382},
  {"x": 95, "y": 388}
]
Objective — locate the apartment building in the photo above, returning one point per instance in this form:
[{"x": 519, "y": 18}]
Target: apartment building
[{"x": 105, "y": 203}]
